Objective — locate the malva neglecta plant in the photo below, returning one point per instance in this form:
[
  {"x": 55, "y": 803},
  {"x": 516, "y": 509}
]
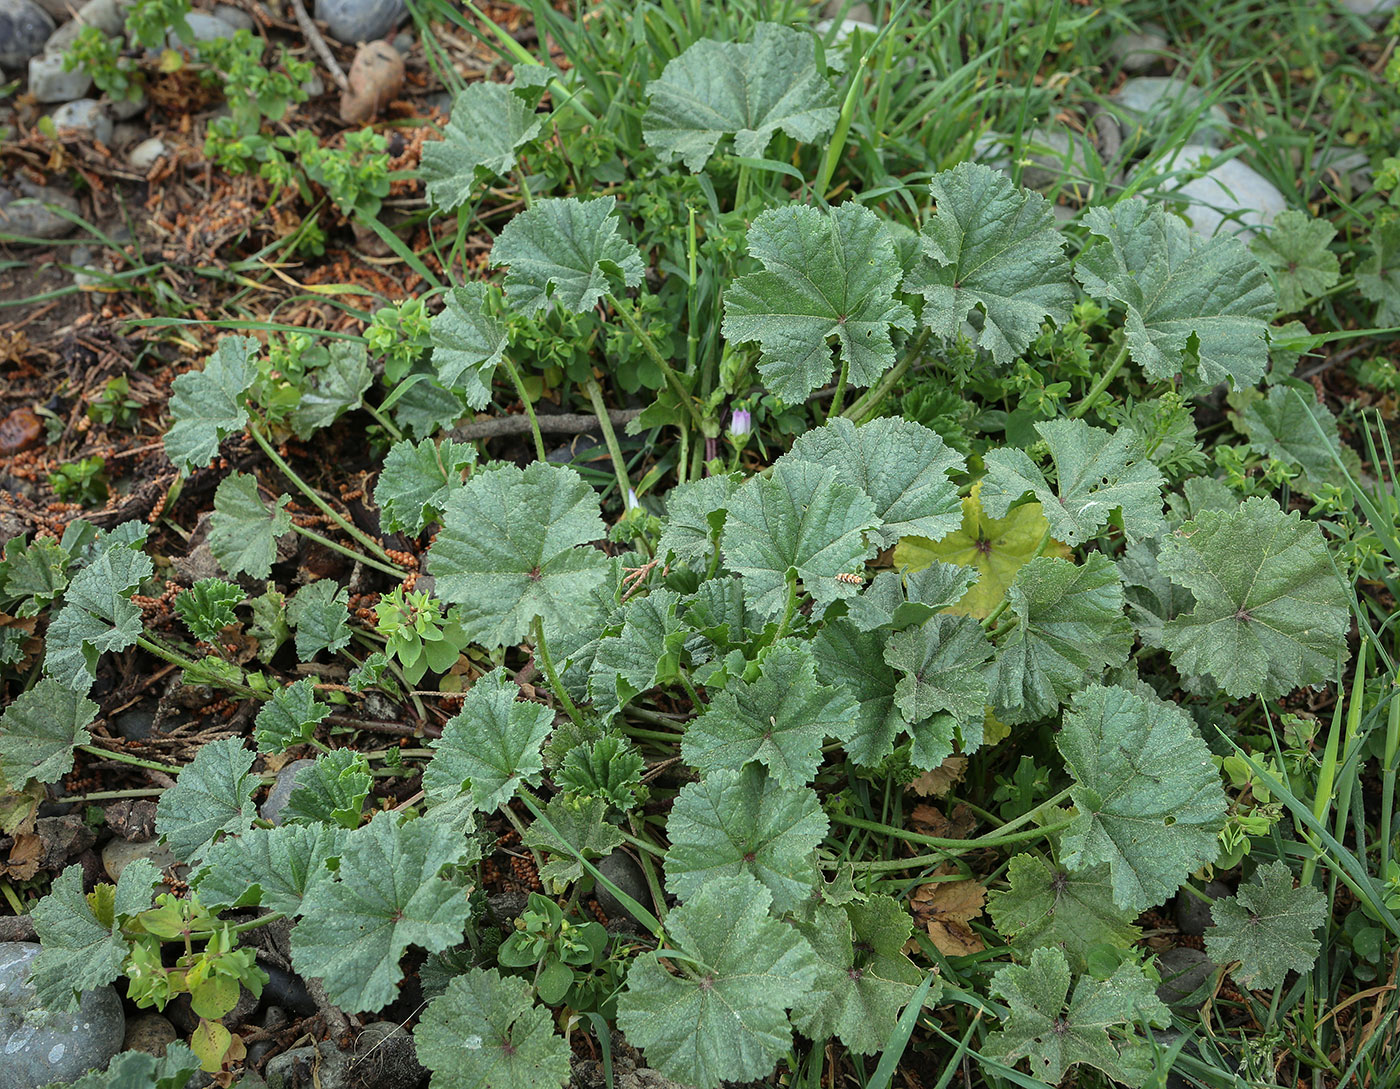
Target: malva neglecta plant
[{"x": 874, "y": 608}]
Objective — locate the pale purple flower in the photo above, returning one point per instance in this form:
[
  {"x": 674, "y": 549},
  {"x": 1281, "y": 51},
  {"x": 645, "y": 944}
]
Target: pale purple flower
[{"x": 741, "y": 422}]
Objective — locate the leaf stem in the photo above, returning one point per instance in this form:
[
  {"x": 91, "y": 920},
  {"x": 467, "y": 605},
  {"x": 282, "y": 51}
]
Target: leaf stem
[
  {"x": 595, "y": 398},
  {"x": 949, "y": 847},
  {"x": 126, "y": 758},
  {"x": 554, "y": 685},
  {"x": 789, "y": 608},
  {"x": 1102, "y": 384},
  {"x": 383, "y": 420},
  {"x": 311, "y": 493},
  {"x": 649, "y": 345},
  {"x": 358, "y": 557},
  {"x": 641, "y": 844},
  {"x": 840, "y": 393},
  {"x": 529, "y": 407},
  {"x": 861, "y": 408},
  {"x": 165, "y": 653}
]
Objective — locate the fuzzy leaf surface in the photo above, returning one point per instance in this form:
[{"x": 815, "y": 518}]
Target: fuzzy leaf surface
[
  {"x": 1268, "y": 926},
  {"x": 1149, "y": 799},
  {"x": 644, "y": 654},
  {"x": 583, "y": 825},
  {"x": 1285, "y": 424},
  {"x": 1378, "y": 277},
  {"x": 941, "y": 676},
  {"x": 750, "y": 90},
  {"x": 1176, "y": 285},
  {"x": 330, "y": 791},
  {"x": 207, "y": 406},
  {"x": 39, "y": 731},
  {"x": 274, "y": 867},
  {"x": 489, "y": 123},
  {"x": 993, "y": 245},
  {"x": 468, "y": 342},
  {"x": 825, "y": 274},
  {"x": 728, "y": 1020},
  {"x": 1270, "y": 613},
  {"x": 97, "y": 616},
  {"x": 509, "y": 551},
  {"x": 388, "y": 896},
  {"x": 289, "y": 718},
  {"x": 332, "y": 390},
  {"x": 852, "y": 660},
  {"x": 695, "y": 513},
  {"x": 319, "y": 612},
  {"x": 742, "y": 822},
  {"x": 565, "y": 250},
  {"x": 213, "y": 794},
  {"x": 207, "y": 607},
  {"x": 416, "y": 481},
  {"x": 243, "y": 532},
  {"x": 1296, "y": 250}
]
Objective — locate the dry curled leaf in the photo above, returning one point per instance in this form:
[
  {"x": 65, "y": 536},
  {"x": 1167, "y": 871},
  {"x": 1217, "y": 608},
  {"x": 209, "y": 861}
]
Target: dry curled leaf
[
  {"x": 945, "y": 908},
  {"x": 930, "y": 821},
  {"x": 936, "y": 783}
]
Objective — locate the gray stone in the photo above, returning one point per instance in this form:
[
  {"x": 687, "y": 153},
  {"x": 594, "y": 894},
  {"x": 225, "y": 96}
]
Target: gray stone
[
  {"x": 251, "y": 1080},
  {"x": 1055, "y": 159},
  {"x": 85, "y": 115},
  {"x": 623, "y": 871},
  {"x": 109, "y": 16},
  {"x": 48, "y": 82},
  {"x": 85, "y": 272},
  {"x": 1193, "y": 913},
  {"x": 314, "y": 87},
  {"x": 355, "y": 21},
  {"x": 1184, "y": 972},
  {"x": 385, "y": 1058},
  {"x": 149, "y": 1033},
  {"x": 144, "y": 156},
  {"x": 136, "y": 723},
  {"x": 283, "y": 989},
  {"x": 25, "y": 213},
  {"x": 235, "y": 17},
  {"x": 845, "y": 29},
  {"x": 126, "y": 133},
  {"x": 124, "y": 109},
  {"x": 1161, "y": 101},
  {"x": 322, "y": 1065},
  {"x": 39, "y": 1046},
  {"x": 61, "y": 10},
  {"x": 62, "y": 39},
  {"x": 1228, "y": 198},
  {"x": 1370, "y": 7},
  {"x": 405, "y": 41},
  {"x": 205, "y": 27},
  {"x": 120, "y": 853},
  {"x": 24, "y": 28},
  {"x": 271, "y": 809},
  {"x": 1139, "y": 50}
]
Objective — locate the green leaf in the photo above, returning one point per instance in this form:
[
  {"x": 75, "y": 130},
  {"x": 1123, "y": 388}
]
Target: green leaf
[
  {"x": 485, "y": 1032},
  {"x": 39, "y": 731},
  {"x": 81, "y": 952},
  {"x": 1050, "y": 906},
  {"x": 1271, "y": 613},
  {"x": 289, "y": 718},
  {"x": 269, "y": 625},
  {"x": 276, "y": 868},
  {"x": 941, "y": 678},
  {"x": 243, "y": 532},
  {"x": 993, "y": 245},
  {"x": 128, "y": 1069},
  {"x": 416, "y": 481},
  {"x": 864, "y": 979},
  {"x": 1296, "y": 250},
  {"x": 332, "y": 790},
  {"x": 750, "y": 90},
  {"x": 1054, "y": 1038},
  {"x": 800, "y": 517},
  {"x": 490, "y": 747},
  {"x": 207, "y": 607},
  {"x": 208, "y": 406},
  {"x": 1186, "y": 297},
  {"x": 780, "y": 720},
  {"x": 319, "y": 612},
  {"x": 1268, "y": 926},
  {"x": 646, "y": 653},
  {"x": 853, "y": 660},
  {"x": 509, "y": 551},
  {"x": 608, "y": 768},
  {"x": 1096, "y": 473},
  {"x": 897, "y": 601},
  {"x": 725, "y": 1018},
  {"x": 1149, "y": 595},
  {"x": 742, "y": 822},
  {"x": 213, "y": 795},
  {"x": 1285, "y": 424},
  {"x": 388, "y": 895},
  {"x": 1149, "y": 799},
  {"x": 583, "y": 826},
  {"x": 489, "y": 123},
  {"x": 97, "y": 616},
  {"x": 902, "y": 466},
  {"x": 468, "y": 341},
  {"x": 825, "y": 274},
  {"x": 33, "y": 575},
  {"x": 1378, "y": 277},
  {"x": 1070, "y": 628},
  {"x": 330, "y": 391},
  {"x": 695, "y": 514},
  {"x": 567, "y": 251}
]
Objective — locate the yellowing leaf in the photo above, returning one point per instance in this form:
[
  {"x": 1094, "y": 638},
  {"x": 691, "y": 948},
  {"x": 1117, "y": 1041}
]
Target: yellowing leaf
[
  {"x": 996, "y": 547},
  {"x": 945, "y": 908}
]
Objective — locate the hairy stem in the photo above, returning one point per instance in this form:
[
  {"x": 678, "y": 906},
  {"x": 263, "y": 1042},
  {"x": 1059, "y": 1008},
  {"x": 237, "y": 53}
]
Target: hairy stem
[
  {"x": 1096, "y": 390},
  {"x": 649, "y": 346},
  {"x": 861, "y": 409},
  {"x": 529, "y": 407},
  {"x": 554, "y": 684},
  {"x": 595, "y": 397}
]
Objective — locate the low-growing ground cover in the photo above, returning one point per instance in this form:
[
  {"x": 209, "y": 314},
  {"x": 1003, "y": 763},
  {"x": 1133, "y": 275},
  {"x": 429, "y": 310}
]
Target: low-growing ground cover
[{"x": 776, "y": 551}]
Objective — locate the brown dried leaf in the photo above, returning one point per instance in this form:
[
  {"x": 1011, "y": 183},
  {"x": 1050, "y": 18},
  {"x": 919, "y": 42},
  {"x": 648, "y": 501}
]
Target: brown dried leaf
[
  {"x": 930, "y": 821},
  {"x": 936, "y": 783},
  {"x": 945, "y": 908}
]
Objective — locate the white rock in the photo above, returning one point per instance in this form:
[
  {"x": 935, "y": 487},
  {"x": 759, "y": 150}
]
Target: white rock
[
  {"x": 235, "y": 17},
  {"x": 147, "y": 153},
  {"x": 205, "y": 27},
  {"x": 124, "y": 109},
  {"x": 1157, "y": 102},
  {"x": 85, "y": 115},
  {"x": 846, "y": 29},
  {"x": 48, "y": 82},
  {"x": 1137, "y": 51},
  {"x": 1229, "y": 198},
  {"x": 1370, "y": 7}
]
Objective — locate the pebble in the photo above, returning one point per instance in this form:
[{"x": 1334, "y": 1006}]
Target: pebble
[
  {"x": 126, "y": 133},
  {"x": 1370, "y": 7},
  {"x": 27, "y": 215},
  {"x": 147, "y": 153},
  {"x": 24, "y": 28},
  {"x": 385, "y": 1057},
  {"x": 1183, "y": 972},
  {"x": 149, "y": 1033},
  {"x": 120, "y": 853},
  {"x": 284, "y": 991},
  {"x": 205, "y": 27},
  {"x": 1055, "y": 159},
  {"x": 376, "y": 78},
  {"x": 355, "y": 21},
  {"x": 405, "y": 41},
  {"x": 271, "y": 809},
  {"x": 322, "y": 1065},
  {"x": 43, "y": 1046},
  {"x": 109, "y": 16},
  {"x": 124, "y": 109},
  {"x": 235, "y": 17},
  {"x": 314, "y": 87},
  {"x": 623, "y": 871},
  {"x": 1193, "y": 914},
  {"x": 1149, "y": 99},
  {"x": 135, "y": 724},
  {"x": 1137, "y": 51},
  {"x": 22, "y": 429},
  {"x": 845, "y": 30},
  {"x": 1230, "y": 197},
  {"x": 48, "y": 82},
  {"x": 85, "y": 115}
]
